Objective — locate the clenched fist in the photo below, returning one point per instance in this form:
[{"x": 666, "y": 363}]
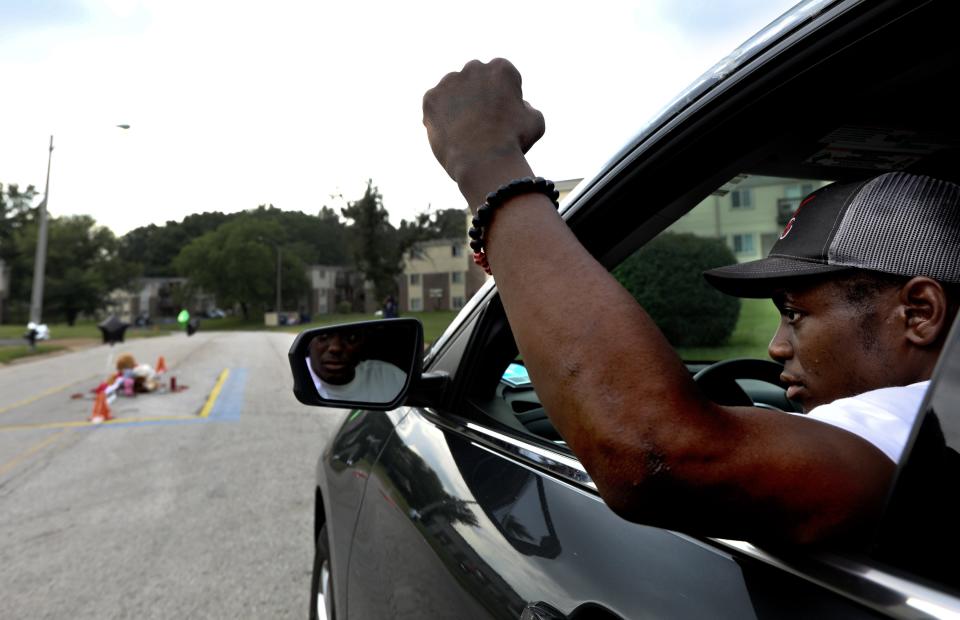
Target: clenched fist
[{"x": 480, "y": 127}]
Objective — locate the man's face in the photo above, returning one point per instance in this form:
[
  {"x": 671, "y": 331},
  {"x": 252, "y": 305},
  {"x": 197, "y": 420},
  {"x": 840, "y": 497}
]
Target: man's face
[
  {"x": 831, "y": 348},
  {"x": 335, "y": 355}
]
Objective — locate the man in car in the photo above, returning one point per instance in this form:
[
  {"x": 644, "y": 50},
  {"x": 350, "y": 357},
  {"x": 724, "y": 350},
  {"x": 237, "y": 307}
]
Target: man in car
[
  {"x": 864, "y": 276},
  {"x": 340, "y": 372}
]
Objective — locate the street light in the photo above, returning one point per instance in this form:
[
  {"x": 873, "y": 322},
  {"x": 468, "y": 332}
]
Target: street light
[{"x": 40, "y": 258}]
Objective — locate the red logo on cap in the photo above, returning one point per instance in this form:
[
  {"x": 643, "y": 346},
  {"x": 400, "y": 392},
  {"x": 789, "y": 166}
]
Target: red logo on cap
[{"x": 789, "y": 226}]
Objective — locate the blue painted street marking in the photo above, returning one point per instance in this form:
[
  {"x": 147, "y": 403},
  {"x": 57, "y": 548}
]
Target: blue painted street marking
[{"x": 230, "y": 402}]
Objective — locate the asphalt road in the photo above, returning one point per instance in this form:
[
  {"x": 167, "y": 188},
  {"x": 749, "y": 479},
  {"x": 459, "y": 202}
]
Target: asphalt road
[{"x": 194, "y": 504}]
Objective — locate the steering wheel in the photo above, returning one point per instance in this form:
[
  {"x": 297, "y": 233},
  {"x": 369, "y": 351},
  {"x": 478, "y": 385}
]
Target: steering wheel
[{"x": 718, "y": 381}]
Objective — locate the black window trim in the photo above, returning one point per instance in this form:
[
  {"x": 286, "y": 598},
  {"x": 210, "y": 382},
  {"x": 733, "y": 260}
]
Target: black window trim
[{"x": 564, "y": 466}]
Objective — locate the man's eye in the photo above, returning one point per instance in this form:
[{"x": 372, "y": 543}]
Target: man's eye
[{"x": 792, "y": 316}]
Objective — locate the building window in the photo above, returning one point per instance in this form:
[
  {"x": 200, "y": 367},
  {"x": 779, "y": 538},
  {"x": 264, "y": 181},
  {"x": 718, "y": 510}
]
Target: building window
[
  {"x": 743, "y": 244},
  {"x": 456, "y": 276},
  {"x": 456, "y": 303},
  {"x": 416, "y": 303},
  {"x": 414, "y": 279},
  {"x": 786, "y": 207},
  {"x": 456, "y": 250},
  {"x": 741, "y": 199}
]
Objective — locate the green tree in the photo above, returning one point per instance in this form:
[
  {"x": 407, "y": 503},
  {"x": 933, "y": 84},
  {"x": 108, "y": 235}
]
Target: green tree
[
  {"x": 237, "y": 263},
  {"x": 428, "y": 225},
  {"x": 320, "y": 239},
  {"x": 373, "y": 241},
  {"x": 82, "y": 266},
  {"x": 16, "y": 211},
  {"x": 154, "y": 247},
  {"x": 364, "y": 238},
  {"x": 448, "y": 224},
  {"x": 665, "y": 276}
]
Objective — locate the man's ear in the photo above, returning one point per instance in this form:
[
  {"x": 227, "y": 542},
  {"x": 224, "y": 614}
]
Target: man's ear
[{"x": 924, "y": 304}]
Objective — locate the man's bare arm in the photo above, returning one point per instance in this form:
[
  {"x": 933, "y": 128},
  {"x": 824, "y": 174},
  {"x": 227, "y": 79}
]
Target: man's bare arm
[{"x": 612, "y": 385}]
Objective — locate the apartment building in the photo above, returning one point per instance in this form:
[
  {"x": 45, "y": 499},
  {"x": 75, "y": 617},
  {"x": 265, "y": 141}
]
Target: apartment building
[
  {"x": 748, "y": 213},
  {"x": 336, "y": 288},
  {"x": 158, "y": 298},
  {"x": 439, "y": 275}
]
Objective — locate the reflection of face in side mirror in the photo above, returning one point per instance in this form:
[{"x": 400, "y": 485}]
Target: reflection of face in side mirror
[
  {"x": 334, "y": 356},
  {"x": 369, "y": 364},
  {"x": 343, "y": 369}
]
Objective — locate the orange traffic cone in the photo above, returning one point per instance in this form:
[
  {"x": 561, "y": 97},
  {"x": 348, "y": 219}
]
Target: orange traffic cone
[
  {"x": 161, "y": 365},
  {"x": 101, "y": 411}
]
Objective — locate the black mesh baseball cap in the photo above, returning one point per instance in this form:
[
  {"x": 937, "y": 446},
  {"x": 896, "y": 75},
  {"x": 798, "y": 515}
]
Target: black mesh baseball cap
[{"x": 897, "y": 223}]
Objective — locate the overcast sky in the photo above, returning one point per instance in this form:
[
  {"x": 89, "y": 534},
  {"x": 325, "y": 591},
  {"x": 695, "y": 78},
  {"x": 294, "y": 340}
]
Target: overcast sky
[{"x": 234, "y": 104}]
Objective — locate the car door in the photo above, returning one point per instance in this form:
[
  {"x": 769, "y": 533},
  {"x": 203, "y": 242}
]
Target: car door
[
  {"x": 465, "y": 516},
  {"x": 469, "y": 518}
]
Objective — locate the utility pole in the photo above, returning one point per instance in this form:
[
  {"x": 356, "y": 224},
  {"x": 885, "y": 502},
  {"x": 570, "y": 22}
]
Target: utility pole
[{"x": 40, "y": 260}]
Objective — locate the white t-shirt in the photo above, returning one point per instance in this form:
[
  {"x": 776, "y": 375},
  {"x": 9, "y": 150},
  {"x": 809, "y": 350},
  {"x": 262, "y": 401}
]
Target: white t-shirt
[
  {"x": 374, "y": 381},
  {"x": 883, "y": 417}
]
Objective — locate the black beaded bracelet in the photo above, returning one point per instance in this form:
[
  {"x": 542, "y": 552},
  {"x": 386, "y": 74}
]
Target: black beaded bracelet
[{"x": 516, "y": 187}]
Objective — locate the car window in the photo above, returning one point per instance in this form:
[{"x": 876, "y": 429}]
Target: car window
[{"x": 738, "y": 222}]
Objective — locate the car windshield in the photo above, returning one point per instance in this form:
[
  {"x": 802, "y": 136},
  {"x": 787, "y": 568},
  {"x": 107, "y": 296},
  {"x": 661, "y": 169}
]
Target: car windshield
[{"x": 186, "y": 186}]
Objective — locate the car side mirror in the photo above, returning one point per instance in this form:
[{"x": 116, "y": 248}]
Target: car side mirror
[{"x": 368, "y": 365}]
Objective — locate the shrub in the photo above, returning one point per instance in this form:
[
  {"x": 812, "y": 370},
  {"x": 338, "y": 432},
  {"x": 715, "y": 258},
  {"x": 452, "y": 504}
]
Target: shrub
[{"x": 665, "y": 276}]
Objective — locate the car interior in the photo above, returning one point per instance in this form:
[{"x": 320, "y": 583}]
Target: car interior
[{"x": 863, "y": 99}]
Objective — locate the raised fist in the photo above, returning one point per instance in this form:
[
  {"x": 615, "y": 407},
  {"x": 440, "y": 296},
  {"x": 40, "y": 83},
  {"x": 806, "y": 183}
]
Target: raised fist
[{"x": 477, "y": 120}]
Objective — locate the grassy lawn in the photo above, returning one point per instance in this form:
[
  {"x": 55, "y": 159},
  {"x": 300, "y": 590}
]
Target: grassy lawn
[
  {"x": 86, "y": 329},
  {"x": 758, "y": 321},
  {"x": 433, "y": 323},
  {"x": 9, "y": 353}
]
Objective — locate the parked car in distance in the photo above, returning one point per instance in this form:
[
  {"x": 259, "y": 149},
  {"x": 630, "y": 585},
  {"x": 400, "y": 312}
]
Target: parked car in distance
[{"x": 453, "y": 496}]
